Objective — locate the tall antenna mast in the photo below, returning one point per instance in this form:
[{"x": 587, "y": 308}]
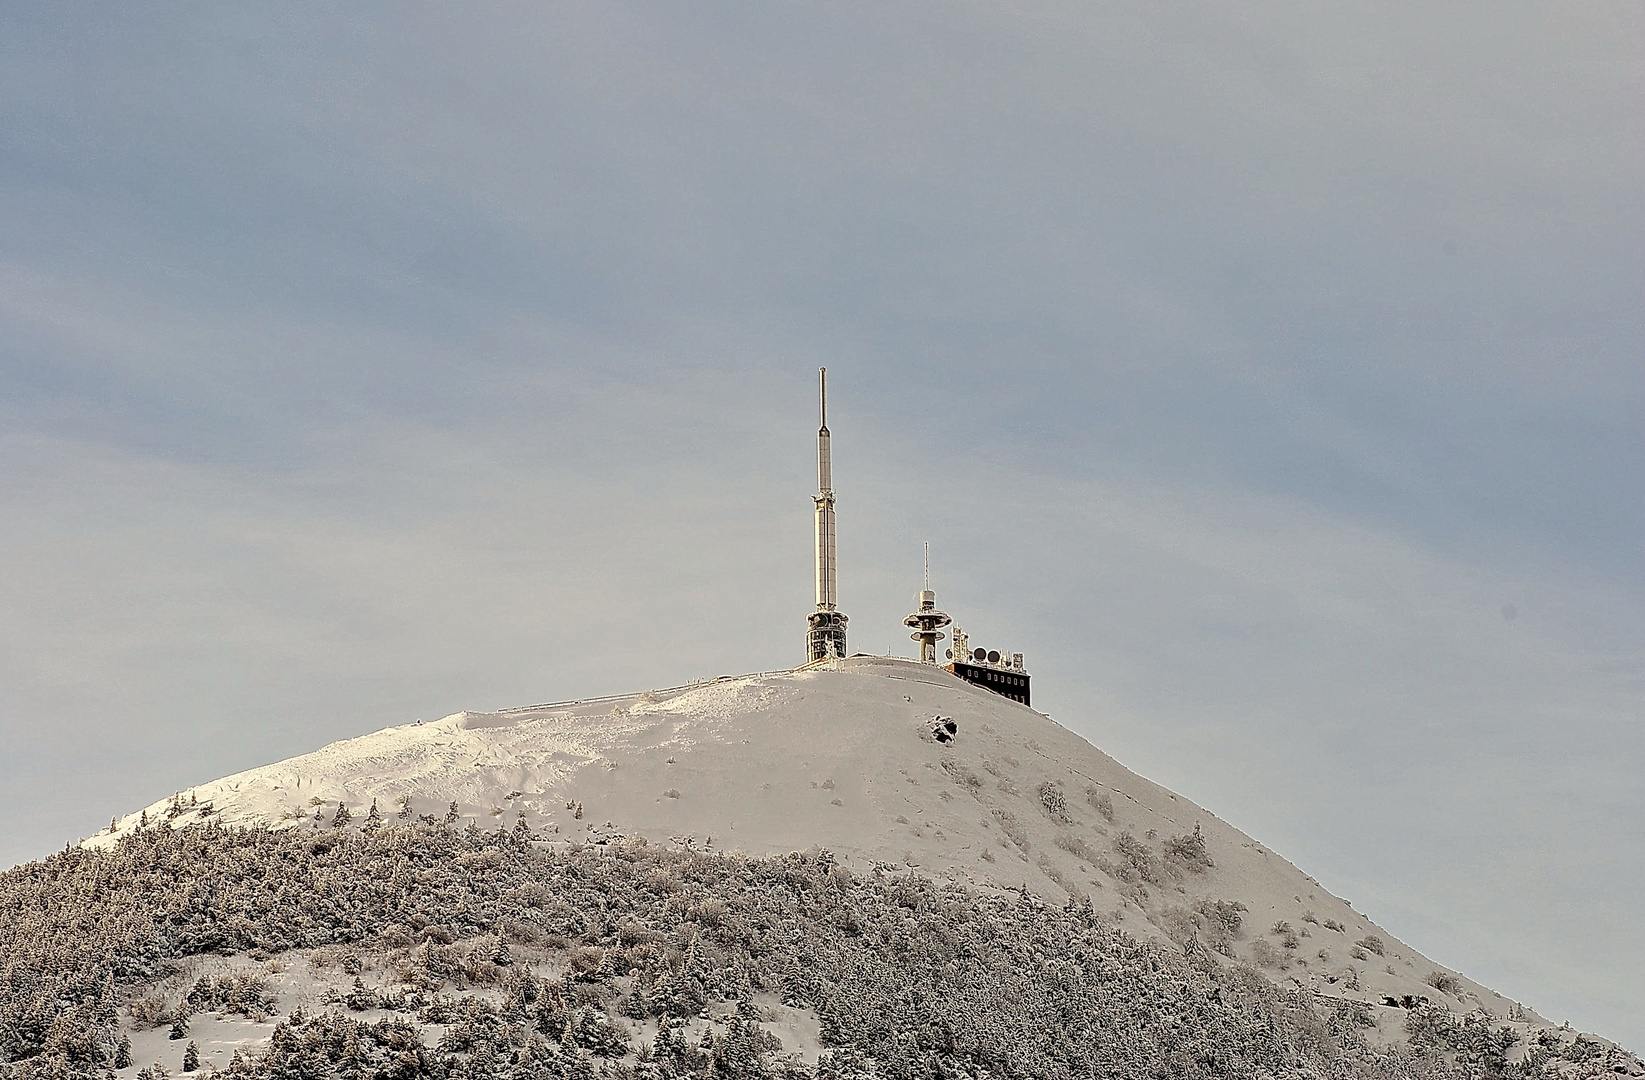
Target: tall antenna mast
[
  {"x": 825, "y": 634},
  {"x": 927, "y": 622}
]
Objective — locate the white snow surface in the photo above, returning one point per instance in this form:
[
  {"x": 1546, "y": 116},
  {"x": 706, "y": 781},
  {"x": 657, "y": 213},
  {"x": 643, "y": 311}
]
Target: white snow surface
[{"x": 839, "y": 756}]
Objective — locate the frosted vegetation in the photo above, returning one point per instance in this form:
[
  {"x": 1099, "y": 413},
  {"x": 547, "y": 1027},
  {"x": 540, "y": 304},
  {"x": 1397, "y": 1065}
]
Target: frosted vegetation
[{"x": 494, "y": 957}]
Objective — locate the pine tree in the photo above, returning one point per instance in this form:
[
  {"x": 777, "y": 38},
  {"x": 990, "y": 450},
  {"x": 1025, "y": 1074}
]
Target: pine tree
[
  {"x": 452, "y": 815},
  {"x": 179, "y": 1028},
  {"x": 373, "y": 818},
  {"x": 143, "y": 819},
  {"x": 122, "y": 1053},
  {"x": 191, "y": 1057},
  {"x": 106, "y": 1013},
  {"x": 343, "y": 817},
  {"x": 405, "y": 807}
]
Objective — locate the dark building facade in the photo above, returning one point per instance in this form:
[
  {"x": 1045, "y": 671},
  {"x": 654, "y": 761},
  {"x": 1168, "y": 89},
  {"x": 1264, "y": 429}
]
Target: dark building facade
[{"x": 1004, "y": 681}]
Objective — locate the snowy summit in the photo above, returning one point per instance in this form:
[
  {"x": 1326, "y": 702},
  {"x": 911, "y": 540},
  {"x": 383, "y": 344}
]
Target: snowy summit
[{"x": 883, "y": 762}]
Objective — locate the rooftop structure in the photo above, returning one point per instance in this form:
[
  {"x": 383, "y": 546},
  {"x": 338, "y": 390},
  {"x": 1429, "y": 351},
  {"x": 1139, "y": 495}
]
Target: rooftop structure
[{"x": 1002, "y": 672}]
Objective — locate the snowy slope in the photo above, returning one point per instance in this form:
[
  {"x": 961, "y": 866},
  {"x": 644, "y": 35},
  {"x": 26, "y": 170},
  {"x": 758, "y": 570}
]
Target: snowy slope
[{"x": 843, "y": 757}]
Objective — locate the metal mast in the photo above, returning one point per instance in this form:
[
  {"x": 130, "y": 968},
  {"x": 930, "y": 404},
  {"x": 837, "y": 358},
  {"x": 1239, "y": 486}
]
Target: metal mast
[{"x": 825, "y": 636}]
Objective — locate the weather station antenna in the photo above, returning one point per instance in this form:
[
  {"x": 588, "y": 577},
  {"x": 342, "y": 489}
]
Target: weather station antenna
[{"x": 825, "y": 627}]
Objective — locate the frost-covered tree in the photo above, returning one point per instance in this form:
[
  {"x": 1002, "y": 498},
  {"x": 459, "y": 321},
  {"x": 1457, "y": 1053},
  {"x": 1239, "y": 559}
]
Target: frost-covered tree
[{"x": 1190, "y": 850}]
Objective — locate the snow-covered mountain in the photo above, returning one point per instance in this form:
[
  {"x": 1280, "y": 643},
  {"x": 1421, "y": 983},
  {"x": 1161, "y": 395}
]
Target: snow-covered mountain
[{"x": 883, "y": 762}]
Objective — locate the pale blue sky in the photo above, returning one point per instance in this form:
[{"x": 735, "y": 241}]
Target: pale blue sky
[{"x": 1269, "y": 375}]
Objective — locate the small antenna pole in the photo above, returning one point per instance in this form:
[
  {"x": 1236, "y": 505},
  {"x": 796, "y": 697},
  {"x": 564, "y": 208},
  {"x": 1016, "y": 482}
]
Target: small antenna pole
[{"x": 928, "y": 566}]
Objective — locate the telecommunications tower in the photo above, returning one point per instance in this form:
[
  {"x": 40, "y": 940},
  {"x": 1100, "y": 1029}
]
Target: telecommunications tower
[
  {"x": 825, "y": 633},
  {"x": 927, "y": 622}
]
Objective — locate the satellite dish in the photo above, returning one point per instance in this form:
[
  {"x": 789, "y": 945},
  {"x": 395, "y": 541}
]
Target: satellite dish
[
  {"x": 980, "y": 655},
  {"x": 948, "y": 654},
  {"x": 993, "y": 657}
]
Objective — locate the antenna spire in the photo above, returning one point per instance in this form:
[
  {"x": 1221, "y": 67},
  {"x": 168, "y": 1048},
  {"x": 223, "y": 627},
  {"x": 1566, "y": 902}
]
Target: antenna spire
[
  {"x": 825, "y": 637},
  {"x": 928, "y": 566}
]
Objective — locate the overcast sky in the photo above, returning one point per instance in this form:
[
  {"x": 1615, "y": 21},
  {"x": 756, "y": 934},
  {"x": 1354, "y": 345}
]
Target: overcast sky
[{"x": 1270, "y": 374}]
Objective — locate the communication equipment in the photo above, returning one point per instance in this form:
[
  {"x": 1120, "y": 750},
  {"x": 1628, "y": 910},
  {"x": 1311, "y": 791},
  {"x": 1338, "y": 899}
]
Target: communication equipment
[
  {"x": 1002, "y": 672},
  {"x": 927, "y": 622},
  {"x": 825, "y": 627}
]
